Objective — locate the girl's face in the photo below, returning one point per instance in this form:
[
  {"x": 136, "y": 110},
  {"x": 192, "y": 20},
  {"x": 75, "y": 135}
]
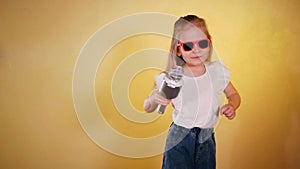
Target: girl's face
[{"x": 197, "y": 52}]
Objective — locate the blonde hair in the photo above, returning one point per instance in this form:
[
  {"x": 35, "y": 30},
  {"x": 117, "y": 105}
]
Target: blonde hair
[{"x": 180, "y": 24}]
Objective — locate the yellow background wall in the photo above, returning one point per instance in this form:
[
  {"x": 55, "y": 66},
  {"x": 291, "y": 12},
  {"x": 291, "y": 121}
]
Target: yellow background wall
[{"x": 40, "y": 42}]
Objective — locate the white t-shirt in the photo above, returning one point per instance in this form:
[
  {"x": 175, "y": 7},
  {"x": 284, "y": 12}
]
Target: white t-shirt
[{"x": 198, "y": 102}]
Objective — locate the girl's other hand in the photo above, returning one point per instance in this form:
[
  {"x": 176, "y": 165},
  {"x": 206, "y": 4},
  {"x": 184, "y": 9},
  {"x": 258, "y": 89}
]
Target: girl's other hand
[{"x": 228, "y": 110}]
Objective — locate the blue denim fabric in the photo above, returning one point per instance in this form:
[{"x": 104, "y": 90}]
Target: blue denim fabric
[{"x": 190, "y": 148}]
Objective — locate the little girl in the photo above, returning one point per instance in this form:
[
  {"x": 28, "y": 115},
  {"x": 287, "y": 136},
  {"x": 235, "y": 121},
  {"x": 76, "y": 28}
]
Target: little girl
[{"x": 190, "y": 143}]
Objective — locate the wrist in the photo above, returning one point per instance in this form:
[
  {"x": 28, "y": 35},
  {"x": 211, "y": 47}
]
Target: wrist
[
  {"x": 151, "y": 98},
  {"x": 230, "y": 104}
]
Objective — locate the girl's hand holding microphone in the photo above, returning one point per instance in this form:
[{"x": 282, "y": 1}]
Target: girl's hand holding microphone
[
  {"x": 159, "y": 99},
  {"x": 154, "y": 100}
]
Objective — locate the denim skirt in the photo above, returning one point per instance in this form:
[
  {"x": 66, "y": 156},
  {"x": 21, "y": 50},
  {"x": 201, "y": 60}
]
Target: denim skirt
[{"x": 193, "y": 148}]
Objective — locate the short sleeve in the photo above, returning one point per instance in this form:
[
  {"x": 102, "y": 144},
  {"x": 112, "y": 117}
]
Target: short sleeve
[{"x": 221, "y": 75}]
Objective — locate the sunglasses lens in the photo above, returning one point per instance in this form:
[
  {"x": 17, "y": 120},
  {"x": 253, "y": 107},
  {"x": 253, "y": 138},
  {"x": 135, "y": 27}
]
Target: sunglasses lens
[
  {"x": 188, "y": 46},
  {"x": 203, "y": 44}
]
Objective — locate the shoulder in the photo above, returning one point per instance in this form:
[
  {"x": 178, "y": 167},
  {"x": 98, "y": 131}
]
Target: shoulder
[
  {"x": 216, "y": 64},
  {"x": 218, "y": 71}
]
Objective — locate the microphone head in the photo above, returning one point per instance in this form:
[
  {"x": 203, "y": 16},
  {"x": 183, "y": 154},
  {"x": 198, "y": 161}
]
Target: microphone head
[{"x": 176, "y": 73}]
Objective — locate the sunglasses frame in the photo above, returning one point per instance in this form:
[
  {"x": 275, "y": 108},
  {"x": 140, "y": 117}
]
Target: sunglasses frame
[{"x": 194, "y": 43}]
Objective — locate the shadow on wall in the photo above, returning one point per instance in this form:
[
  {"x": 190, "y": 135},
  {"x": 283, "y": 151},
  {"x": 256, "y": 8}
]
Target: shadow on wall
[
  {"x": 1, "y": 54},
  {"x": 269, "y": 121},
  {"x": 3, "y": 59}
]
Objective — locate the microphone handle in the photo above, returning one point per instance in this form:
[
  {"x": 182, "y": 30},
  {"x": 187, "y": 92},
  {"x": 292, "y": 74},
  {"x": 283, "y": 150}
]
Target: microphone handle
[{"x": 161, "y": 109}]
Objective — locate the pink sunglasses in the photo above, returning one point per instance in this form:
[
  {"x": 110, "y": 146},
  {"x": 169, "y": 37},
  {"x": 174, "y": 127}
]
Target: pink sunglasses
[{"x": 188, "y": 46}]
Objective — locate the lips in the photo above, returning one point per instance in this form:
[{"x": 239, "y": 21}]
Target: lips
[{"x": 195, "y": 57}]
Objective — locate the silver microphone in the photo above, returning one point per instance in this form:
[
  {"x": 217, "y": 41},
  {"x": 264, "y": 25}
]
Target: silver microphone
[{"x": 171, "y": 86}]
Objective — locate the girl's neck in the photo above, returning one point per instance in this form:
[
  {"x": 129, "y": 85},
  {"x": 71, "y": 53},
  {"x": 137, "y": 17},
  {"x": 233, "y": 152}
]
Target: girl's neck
[{"x": 194, "y": 71}]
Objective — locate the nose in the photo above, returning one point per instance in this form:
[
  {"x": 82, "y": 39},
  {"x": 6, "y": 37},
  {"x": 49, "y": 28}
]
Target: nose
[{"x": 196, "y": 48}]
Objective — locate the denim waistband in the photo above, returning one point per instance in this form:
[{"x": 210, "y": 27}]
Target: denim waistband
[{"x": 202, "y": 134}]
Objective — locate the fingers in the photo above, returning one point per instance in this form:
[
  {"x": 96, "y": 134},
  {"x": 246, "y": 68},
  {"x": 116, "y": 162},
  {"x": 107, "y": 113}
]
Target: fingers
[
  {"x": 228, "y": 111},
  {"x": 224, "y": 109},
  {"x": 231, "y": 116},
  {"x": 159, "y": 99}
]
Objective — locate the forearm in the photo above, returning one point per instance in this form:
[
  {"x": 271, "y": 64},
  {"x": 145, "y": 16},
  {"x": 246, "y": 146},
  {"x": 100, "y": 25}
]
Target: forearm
[
  {"x": 234, "y": 100},
  {"x": 149, "y": 103}
]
